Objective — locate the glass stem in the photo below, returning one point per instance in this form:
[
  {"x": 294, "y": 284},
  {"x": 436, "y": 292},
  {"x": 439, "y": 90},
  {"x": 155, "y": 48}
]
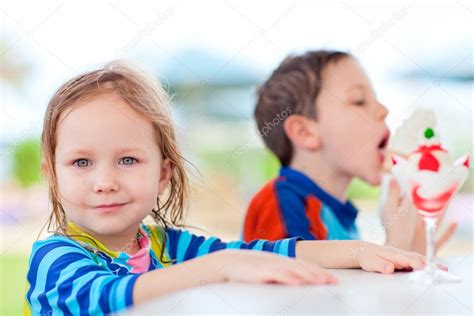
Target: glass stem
[{"x": 430, "y": 243}]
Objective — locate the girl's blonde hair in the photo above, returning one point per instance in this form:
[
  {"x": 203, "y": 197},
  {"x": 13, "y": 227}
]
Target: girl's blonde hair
[{"x": 144, "y": 95}]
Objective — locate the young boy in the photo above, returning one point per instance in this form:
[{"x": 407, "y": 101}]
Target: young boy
[{"x": 319, "y": 115}]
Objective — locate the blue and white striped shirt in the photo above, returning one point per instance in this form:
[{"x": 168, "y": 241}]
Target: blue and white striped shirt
[{"x": 72, "y": 276}]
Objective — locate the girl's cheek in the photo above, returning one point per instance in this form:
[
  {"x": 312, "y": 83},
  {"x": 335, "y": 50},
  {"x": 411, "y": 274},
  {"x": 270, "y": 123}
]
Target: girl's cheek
[{"x": 70, "y": 181}]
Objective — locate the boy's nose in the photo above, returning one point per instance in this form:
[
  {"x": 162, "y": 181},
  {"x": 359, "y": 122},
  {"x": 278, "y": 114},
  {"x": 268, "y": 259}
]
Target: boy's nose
[{"x": 382, "y": 112}]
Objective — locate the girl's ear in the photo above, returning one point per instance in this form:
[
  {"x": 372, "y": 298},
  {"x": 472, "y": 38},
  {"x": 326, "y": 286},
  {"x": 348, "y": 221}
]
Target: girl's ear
[
  {"x": 165, "y": 174},
  {"x": 44, "y": 169},
  {"x": 302, "y": 132}
]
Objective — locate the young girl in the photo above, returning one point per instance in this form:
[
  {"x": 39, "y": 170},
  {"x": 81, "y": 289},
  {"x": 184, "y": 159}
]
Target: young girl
[{"x": 111, "y": 159}]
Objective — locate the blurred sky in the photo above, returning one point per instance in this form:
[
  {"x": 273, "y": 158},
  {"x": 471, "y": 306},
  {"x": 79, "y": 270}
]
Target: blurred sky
[{"x": 59, "y": 39}]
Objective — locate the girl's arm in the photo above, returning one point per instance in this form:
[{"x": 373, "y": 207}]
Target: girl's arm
[
  {"x": 330, "y": 254},
  {"x": 64, "y": 278},
  {"x": 222, "y": 264},
  {"x": 246, "y": 266},
  {"x": 358, "y": 254},
  {"x": 177, "y": 277},
  {"x": 263, "y": 267}
]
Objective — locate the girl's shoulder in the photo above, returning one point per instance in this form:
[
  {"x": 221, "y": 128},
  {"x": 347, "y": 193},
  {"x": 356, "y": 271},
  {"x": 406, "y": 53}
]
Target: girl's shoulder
[
  {"x": 57, "y": 243},
  {"x": 56, "y": 240}
]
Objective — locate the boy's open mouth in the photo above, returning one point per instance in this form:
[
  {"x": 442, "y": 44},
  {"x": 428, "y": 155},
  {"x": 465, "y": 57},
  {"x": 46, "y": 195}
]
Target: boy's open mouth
[{"x": 382, "y": 145}]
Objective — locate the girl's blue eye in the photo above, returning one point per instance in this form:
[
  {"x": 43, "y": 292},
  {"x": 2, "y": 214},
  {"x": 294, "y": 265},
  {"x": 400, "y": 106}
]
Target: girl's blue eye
[
  {"x": 128, "y": 160},
  {"x": 81, "y": 163}
]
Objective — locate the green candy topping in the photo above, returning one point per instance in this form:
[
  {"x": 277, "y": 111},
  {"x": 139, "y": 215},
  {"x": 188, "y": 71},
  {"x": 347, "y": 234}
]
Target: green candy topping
[{"x": 429, "y": 133}]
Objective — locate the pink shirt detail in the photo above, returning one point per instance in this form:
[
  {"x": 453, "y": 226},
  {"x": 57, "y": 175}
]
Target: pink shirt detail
[{"x": 140, "y": 262}]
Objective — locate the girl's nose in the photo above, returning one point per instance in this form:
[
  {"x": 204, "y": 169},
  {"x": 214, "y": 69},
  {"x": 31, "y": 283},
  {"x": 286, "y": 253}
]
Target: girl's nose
[{"x": 105, "y": 182}]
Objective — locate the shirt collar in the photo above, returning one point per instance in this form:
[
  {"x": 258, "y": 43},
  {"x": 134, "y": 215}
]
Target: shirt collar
[
  {"x": 345, "y": 212},
  {"x": 138, "y": 262}
]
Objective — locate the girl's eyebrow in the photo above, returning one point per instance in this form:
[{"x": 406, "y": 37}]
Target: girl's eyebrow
[
  {"x": 83, "y": 151},
  {"x": 77, "y": 151},
  {"x": 125, "y": 150}
]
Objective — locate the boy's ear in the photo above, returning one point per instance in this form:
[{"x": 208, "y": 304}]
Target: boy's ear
[
  {"x": 302, "y": 132},
  {"x": 165, "y": 174}
]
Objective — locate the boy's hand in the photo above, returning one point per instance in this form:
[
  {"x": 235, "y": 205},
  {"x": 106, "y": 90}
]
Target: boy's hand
[
  {"x": 419, "y": 238},
  {"x": 404, "y": 226},
  {"x": 385, "y": 259},
  {"x": 398, "y": 218},
  {"x": 250, "y": 266}
]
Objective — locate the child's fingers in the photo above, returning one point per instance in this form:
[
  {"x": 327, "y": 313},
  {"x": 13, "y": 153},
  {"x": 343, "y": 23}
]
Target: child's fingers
[
  {"x": 317, "y": 274},
  {"x": 410, "y": 260},
  {"x": 403, "y": 264},
  {"x": 306, "y": 277},
  {"x": 423, "y": 262},
  {"x": 294, "y": 272},
  {"x": 298, "y": 276},
  {"x": 306, "y": 272},
  {"x": 379, "y": 264},
  {"x": 442, "y": 267},
  {"x": 438, "y": 265},
  {"x": 281, "y": 276},
  {"x": 403, "y": 260},
  {"x": 446, "y": 235}
]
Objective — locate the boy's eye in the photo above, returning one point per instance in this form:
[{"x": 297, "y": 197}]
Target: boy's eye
[
  {"x": 128, "y": 160},
  {"x": 359, "y": 102},
  {"x": 81, "y": 163}
]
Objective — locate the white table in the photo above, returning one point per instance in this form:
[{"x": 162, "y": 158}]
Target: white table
[{"x": 358, "y": 293}]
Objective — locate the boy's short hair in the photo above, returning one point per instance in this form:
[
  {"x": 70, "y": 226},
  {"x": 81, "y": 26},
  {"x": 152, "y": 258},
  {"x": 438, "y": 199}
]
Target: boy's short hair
[{"x": 291, "y": 89}]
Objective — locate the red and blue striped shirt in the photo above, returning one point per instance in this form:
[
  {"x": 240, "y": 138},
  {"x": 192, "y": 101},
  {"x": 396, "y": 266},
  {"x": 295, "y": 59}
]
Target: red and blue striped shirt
[{"x": 292, "y": 205}]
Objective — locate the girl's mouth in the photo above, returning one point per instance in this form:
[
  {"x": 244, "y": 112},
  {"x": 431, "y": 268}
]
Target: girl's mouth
[{"x": 108, "y": 208}]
